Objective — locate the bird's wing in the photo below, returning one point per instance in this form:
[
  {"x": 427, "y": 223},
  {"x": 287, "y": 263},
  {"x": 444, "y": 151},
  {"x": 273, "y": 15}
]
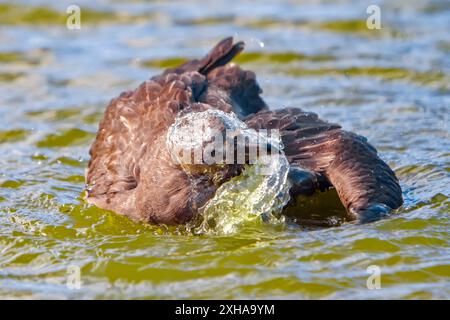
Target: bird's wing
[
  {"x": 131, "y": 124},
  {"x": 365, "y": 184}
]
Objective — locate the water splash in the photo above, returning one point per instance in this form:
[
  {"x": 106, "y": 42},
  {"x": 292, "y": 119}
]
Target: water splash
[
  {"x": 258, "y": 194},
  {"x": 249, "y": 198}
]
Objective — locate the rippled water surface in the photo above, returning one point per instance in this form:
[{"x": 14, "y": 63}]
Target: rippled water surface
[{"x": 391, "y": 85}]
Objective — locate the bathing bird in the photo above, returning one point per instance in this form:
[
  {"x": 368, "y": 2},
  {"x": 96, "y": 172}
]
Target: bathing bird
[{"x": 133, "y": 169}]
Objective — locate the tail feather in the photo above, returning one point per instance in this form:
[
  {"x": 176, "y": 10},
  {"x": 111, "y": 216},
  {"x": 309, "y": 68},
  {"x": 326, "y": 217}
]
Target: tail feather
[{"x": 220, "y": 55}]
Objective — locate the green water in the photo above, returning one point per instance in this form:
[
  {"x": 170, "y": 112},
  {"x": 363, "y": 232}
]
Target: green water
[{"x": 391, "y": 85}]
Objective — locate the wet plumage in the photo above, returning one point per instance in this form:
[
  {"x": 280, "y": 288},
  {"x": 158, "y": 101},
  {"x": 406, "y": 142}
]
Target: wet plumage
[{"x": 131, "y": 171}]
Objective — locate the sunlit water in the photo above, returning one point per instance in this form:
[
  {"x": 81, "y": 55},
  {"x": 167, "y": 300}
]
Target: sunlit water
[{"x": 390, "y": 85}]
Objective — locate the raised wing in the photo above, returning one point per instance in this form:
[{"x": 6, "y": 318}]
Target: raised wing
[{"x": 366, "y": 185}]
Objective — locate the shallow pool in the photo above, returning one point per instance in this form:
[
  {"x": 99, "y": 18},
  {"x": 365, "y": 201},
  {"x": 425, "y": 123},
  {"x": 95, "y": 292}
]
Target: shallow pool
[{"x": 391, "y": 85}]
